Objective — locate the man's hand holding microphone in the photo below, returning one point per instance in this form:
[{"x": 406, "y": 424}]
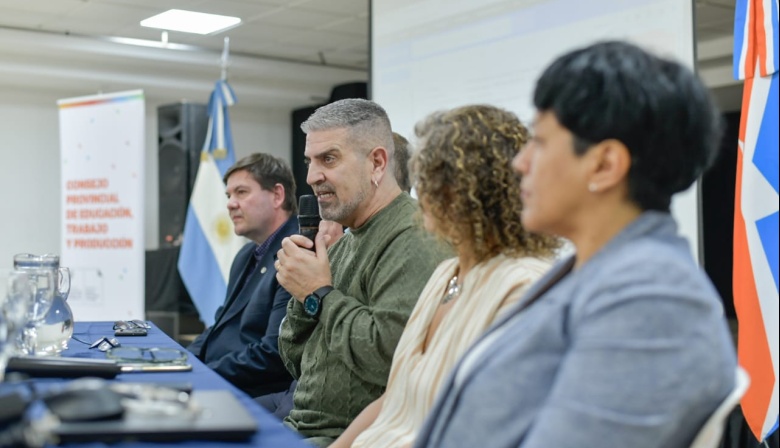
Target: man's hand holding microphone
[{"x": 302, "y": 264}]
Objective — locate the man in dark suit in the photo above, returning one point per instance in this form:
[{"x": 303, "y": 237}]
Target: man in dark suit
[{"x": 242, "y": 345}]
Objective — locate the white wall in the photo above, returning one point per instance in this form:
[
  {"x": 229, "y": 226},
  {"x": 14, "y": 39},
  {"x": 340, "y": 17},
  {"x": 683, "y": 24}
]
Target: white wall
[
  {"x": 30, "y": 165},
  {"x": 430, "y": 55}
]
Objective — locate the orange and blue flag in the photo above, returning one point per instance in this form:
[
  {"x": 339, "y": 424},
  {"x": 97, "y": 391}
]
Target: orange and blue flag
[{"x": 756, "y": 210}]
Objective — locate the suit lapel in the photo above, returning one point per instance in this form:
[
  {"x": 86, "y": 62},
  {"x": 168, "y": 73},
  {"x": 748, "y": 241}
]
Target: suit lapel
[
  {"x": 234, "y": 284},
  {"x": 240, "y": 294}
]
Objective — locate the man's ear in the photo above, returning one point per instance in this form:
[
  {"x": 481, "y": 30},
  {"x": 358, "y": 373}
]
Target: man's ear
[
  {"x": 379, "y": 159},
  {"x": 611, "y": 164},
  {"x": 279, "y": 195}
]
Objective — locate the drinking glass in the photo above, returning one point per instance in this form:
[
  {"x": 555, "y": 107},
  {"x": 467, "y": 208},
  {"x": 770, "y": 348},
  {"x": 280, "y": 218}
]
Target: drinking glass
[{"x": 15, "y": 295}]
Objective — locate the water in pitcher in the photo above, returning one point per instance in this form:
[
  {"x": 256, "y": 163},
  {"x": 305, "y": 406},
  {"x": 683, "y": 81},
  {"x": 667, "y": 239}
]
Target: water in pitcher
[
  {"x": 56, "y": 329},
  {"x": 50, "y": 332}
]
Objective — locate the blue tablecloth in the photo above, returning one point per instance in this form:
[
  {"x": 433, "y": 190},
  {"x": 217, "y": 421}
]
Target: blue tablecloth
[{"x": 271, "y": 434}]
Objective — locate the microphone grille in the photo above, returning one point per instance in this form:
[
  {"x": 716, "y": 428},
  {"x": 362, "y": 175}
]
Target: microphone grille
[{"x": 307, "y": 205}]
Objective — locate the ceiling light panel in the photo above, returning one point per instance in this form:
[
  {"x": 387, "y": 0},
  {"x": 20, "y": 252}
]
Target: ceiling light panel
[{"x": 190, "y": 22}]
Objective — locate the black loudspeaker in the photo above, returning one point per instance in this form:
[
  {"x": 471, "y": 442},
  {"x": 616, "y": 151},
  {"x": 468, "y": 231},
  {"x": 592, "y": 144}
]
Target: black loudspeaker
[
  {"x": 168, "y": 304},
  {"x": 165, "y": 290},
  {"x": 349, "y": 90},
  {"x": 181, "y": 131},
  {"x": 300, "y": 170}
]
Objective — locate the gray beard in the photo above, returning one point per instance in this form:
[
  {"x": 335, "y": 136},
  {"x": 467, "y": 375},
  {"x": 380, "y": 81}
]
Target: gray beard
[{"x": 340, "y": 211}]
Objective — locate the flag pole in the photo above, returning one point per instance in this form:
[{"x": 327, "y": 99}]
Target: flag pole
[
  {"x": 225, "y": 52},
  {"x": 208, "y": 250}
]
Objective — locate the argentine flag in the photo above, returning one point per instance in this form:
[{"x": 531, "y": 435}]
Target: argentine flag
[
  {"x": 209, "y": 243},
  {"x": 756, "y": 211}
]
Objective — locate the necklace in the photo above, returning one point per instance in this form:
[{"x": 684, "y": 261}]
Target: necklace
[{"x": 453, "y": 290}]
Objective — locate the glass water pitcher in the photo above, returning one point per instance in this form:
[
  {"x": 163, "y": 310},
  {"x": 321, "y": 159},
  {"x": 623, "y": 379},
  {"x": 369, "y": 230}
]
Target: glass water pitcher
[{"x": 54, "y": 329}]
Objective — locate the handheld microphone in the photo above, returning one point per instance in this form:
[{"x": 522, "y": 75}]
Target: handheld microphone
[{"x": 308, "y": 216}]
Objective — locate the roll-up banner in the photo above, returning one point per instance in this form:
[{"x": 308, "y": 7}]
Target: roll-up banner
[{"x": 102, "y": 214}]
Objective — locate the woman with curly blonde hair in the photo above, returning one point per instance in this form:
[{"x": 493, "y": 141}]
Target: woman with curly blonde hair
[{"x": 469, "y": 197}]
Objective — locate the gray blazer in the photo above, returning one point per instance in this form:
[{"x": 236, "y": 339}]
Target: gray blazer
[{"x": 630, "y": 350}]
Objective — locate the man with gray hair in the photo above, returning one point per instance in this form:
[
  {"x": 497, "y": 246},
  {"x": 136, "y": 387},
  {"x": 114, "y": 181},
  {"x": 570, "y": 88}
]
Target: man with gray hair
[{"x": 350, "y": 302}]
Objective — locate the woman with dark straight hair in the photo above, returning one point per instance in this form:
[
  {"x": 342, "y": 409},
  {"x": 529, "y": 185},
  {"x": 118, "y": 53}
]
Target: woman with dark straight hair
[{"x": 623, "y": 344}]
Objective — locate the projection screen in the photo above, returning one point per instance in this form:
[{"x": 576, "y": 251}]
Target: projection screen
[{"x": 428, "y": 55}]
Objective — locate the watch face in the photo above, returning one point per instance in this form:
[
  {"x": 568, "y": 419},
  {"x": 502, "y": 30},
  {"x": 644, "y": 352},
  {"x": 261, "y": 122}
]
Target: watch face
[{"x": 311, "y": 305}]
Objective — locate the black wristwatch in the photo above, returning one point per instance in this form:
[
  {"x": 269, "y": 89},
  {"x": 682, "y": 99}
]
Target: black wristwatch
[{"x": 312, "y": 304}]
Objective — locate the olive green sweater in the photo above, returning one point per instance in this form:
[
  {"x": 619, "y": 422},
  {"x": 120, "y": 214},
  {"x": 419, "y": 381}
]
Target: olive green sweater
[{"x": 342, "y": 359}]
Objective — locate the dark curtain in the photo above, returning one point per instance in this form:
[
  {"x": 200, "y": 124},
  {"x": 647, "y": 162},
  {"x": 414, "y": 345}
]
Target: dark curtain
[{"x": 737, "y": 434}]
